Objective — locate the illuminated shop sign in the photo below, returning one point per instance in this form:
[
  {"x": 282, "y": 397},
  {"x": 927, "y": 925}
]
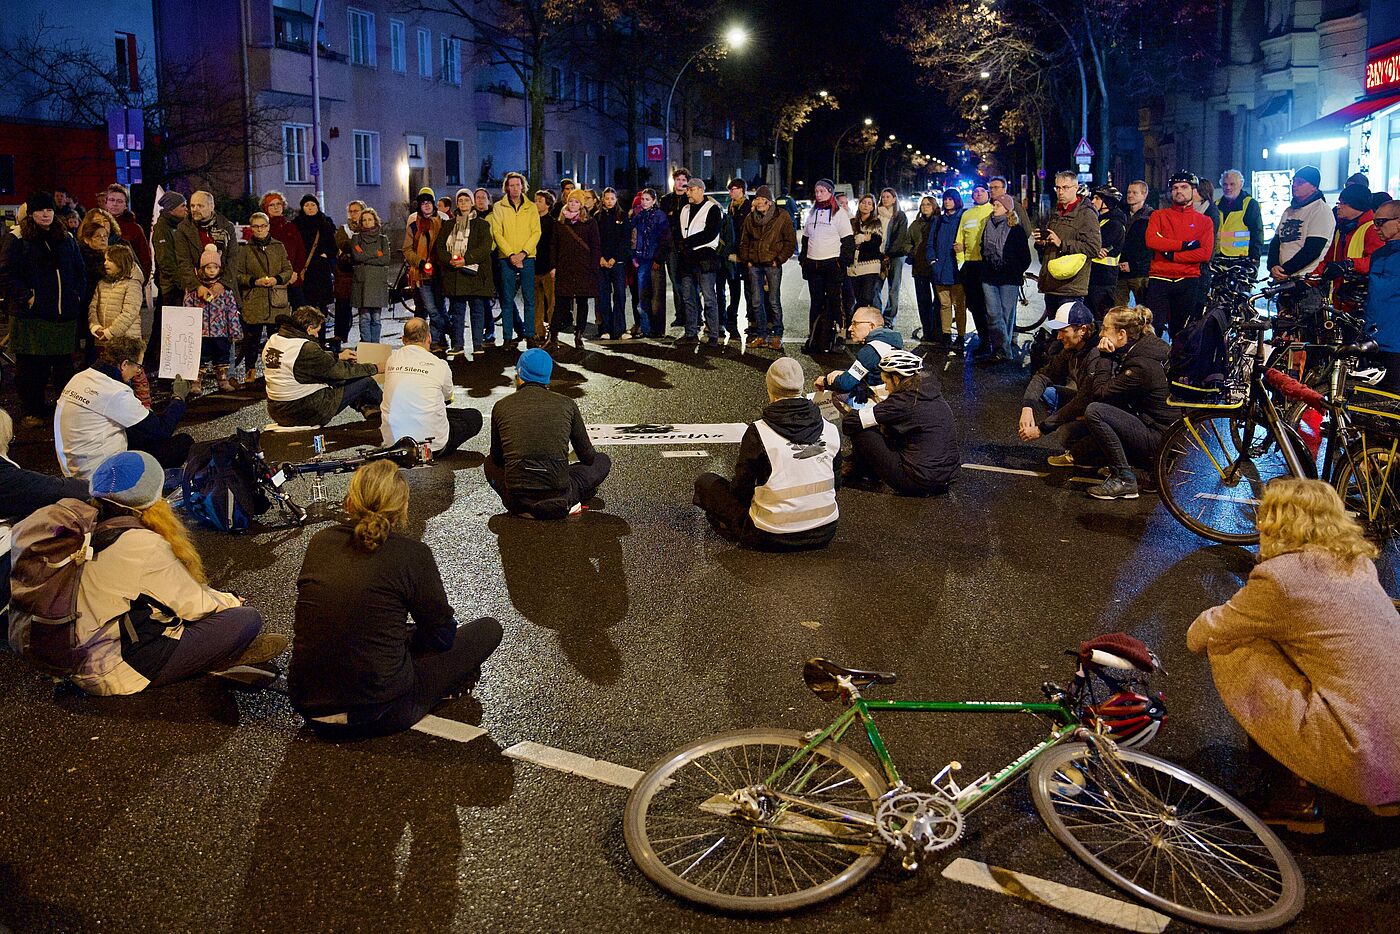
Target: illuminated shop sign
[{"x": 1383, "y": 67}]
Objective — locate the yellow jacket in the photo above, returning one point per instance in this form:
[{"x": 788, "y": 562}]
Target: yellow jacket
[
  {"x": 974, "y": 220},
  {"x": 515, "y": 230}
]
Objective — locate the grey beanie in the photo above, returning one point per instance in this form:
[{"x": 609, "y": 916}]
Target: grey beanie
[
  {"x": 784, "y": 378},
  {"x": 171, "y": 200}
]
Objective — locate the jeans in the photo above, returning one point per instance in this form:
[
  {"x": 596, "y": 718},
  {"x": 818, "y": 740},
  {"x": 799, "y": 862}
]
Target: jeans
[
  {"x": 514, "y": 280},
  {"x": 893, "y": 283},
  {"x": 369, "y": 325},
  {"x": 457, "y": 322},
  {"x": 648, "y": 321},
  {"x": 970, "y": 276},
  {"x": 612, "y": 300},
  {"x": 482, "y": 325},
  {"x": 765, "y": 307},
  {"x": 928, "y": 307},
  {"x": 1173, "y": 303},
  {"x": 699, "y": 286},
  {"x": 253, "y": 337},
  {"x": 1001, "y": 314},
  {"x": 435, "y": 675},
  {"x": 434, "y": 309},
  {"x": 1122, "y": 437},
  {"x": 359, "y": 393},
  {"x": 32, "y": 372}
]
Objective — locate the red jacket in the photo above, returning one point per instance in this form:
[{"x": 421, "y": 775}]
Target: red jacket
[
  {"x": 1167, "y": 229},
  {"x": 1341, "y": 245},
  {"x": 135, "y": 237}
]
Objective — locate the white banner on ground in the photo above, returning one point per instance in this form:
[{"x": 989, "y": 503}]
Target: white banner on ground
[
  {"x": 180, "y": 329},
  {"x": 721, "y": 433}
]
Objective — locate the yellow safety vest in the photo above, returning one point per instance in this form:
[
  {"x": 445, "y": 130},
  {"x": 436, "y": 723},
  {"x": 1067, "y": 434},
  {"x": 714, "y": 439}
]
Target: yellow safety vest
[
  {"x": 1356, "y": 246},
  {"x": 1112, "y": 258},
  {"x": 1234, "y": 235}
]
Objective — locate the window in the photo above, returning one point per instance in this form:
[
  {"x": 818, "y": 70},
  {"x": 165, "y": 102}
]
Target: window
[
  {"x": 556, "y": 82},
  {"x": 603, "y": 97},
  {"x": 451, "y": 60},
  {"x": 398, "y": 53},
  {"x": 128, "y": 73},
  {"x": 294, "y": 167},
  {"x": 603, "y": 170},
  {"x": 366, "y": 158},
  {"x": 291, "y": 25},
  {"x": 453, "y": 151},
  {"x": 578, "y": 89},
  {"x": 425, "y": 54},
  {"x": 558, "y": 163},
  {"x": 361, "y": 38}
]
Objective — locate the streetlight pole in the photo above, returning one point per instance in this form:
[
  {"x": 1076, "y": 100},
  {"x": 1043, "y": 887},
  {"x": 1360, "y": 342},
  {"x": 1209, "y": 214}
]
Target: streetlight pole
[
  {"x": 836, "y": 152},
  {"x": 734, "y": 38},
  {"x": 317, "y": 167}
]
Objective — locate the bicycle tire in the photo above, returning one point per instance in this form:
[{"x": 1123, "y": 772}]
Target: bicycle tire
[
  {"x": 1237, "y": 873},
  {"x": 1029, "y": 328},
  {"x": 675, "y": 795},
  {"x": 1194, "y": 491},
  {"x": 1368, "y": 480}
]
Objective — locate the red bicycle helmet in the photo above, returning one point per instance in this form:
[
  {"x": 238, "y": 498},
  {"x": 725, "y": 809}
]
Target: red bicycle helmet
[{"x": 1129, "y": 718}]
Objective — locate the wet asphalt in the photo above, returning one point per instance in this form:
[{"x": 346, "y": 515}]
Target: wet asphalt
[{"x": 629, "y": 631}]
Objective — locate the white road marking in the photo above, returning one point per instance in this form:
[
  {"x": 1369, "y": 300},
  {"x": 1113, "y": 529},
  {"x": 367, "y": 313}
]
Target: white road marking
[
  {"x": 717, "y": 433},
  {"x": 448, "y": 729},
  {"x": 600, "y": 770},
  {"x": 1012, "y": 470},
  {"x": 685, "y": 453},
  {"x": 1068, "y": 899}
]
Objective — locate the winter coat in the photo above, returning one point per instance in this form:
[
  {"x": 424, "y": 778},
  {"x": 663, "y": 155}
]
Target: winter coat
[
  {"x": 116, "y": 306},
  {"x": 1015, "y": 257},
  {"x": 344, "y": 265},
  {"x": 613, "y": 234},
  {"x": 134, "y": 236},
  {"x": 1139, "y": 382},
  {"x": 418, "y": 240},
  {"x": 868, "y": 241},
  {"x": 733, "y": 228},
  {"x": 263, "y": 303},
  {"x": 370, "y": 252},
  {"x": 318, "y": 237},
  {"x": 943, "y": 261},
  {"x": 1077, "y": 226},
  {"x": 1086, "y": 369},
  {"x": 651, "y": 236},
  {"x": 767, "y": 240},
  {"x": 576, "y": 254},
  {"x": 458, "y": 282},
  {"x": 1303, "y": 656},
  {"x": 189, "y": 245},
  {"x": 163, "y": 241},
  {"x": 919, "y": 426},
  {"x": 43, "y": 275},
  {"x": 1135, "y": 252},
  {"x": 515, "y": 230},
  {"x": 917, "y": 239},
  {"x": 1167, "y": 230},
  {"x": 285, "y": 233}
]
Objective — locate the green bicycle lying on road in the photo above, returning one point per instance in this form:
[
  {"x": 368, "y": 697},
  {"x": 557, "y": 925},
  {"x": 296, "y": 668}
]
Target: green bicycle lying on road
[{"x": 770, "y": 820}]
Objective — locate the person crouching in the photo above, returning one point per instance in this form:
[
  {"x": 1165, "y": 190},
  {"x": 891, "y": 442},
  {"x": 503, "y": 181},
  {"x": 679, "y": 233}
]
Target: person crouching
[{"x": 783, "y": 495}]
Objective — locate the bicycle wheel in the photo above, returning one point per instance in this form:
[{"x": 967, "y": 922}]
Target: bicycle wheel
[
  {"x": 704, "y": 825},
  {"x": 1369, "y": 483},
  {"x": 1169, "y": 838},
  {"x": 1211, "y": 473}
]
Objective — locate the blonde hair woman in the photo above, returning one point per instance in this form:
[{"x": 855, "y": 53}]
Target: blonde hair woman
[
  {"x": 358, "y": 668},
  {"x": 1302, "y": 655}
]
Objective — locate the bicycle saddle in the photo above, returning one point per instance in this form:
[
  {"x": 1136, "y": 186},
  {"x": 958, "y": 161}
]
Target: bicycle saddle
[{"x": 820, "y": 674}]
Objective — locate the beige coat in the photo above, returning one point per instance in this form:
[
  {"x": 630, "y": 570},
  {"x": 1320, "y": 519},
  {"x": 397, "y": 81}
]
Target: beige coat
[
  {"x": 1306, "y": 656},
  {"x": 117, "y": 306}
]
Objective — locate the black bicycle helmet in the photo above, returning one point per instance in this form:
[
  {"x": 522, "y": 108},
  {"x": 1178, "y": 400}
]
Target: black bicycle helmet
[
  {"x": 1181, "y": 175},
  {"x": 1110, "y": 195}
]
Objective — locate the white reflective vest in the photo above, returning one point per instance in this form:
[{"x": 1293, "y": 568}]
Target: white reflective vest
[
  {"x": 693, "y": 222},
  {"x": 279, "y": 359},
  {"x": 1234, "y": 235},
  {"x": 801, "y": 490}
]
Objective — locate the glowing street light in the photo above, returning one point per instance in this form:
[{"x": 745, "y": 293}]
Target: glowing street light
[
  {"x": 823, "y": 95},
  {"x": 736, "y": 37}
]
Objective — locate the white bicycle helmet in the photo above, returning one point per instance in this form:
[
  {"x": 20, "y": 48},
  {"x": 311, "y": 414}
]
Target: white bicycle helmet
[{"x": 901, "y": 362}]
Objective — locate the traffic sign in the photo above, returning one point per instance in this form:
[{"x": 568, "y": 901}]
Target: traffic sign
[
  {"x": 655, "y": 149},
  {"x": 1083, "y": 150}
]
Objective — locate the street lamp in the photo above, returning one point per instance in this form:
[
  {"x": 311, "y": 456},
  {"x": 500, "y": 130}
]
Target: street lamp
[
  {"x": 836, "y": 152},
  {"x": 823, "y": 95},
  {"x": 735, "y": 38}
]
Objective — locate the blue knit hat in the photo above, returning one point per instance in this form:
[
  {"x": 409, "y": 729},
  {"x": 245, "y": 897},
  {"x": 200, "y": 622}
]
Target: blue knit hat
[
  {"x": 132, "y": 478},
  {"x": 535, "y": 366}
]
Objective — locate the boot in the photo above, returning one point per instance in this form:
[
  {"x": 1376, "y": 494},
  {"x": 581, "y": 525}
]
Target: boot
[
  {"x": 221, "y": 375},
  {"x": 1282, "y": 799}
]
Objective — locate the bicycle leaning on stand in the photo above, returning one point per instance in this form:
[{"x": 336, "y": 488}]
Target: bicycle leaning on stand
[{"x": 771, "y": 820}]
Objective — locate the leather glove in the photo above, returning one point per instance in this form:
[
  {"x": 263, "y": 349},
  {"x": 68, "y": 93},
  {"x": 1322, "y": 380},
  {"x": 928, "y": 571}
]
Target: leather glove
[
  {"x": 180, "y": 388},
  {"x": 1191, "y": 245}
]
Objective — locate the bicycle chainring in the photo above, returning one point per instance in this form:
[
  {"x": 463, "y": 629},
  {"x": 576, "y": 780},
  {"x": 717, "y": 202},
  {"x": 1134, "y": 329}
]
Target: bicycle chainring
[{"x": 916, "y": 823}]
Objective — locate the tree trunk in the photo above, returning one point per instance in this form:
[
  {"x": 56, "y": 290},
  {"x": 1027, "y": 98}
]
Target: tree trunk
[
  {"x": 790, "y": 149},
  {"x": 1097, "y": 58},
  {"x": 537, "y": 105},
  {"x": 632, "y": 140}
]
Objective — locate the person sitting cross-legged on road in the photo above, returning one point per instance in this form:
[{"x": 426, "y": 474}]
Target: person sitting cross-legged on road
[
  {"x": 1130, "y": 411},
  {"x": 783, "y": 495},
  {"x": 876, "y": 341},
  {"x": 1061, "y": 390},
  {"x": 98, "y": 414},
  {"x": 145, "y": 614},
  {"x": 306, "y": 385},
  {"x": 531, "y": 432},
  {"x": 1301, "y": 656},
  {"x": 417, "y": 387},
  {"x": 358, "y": 669},
  {"x": 908, "y": 440}
]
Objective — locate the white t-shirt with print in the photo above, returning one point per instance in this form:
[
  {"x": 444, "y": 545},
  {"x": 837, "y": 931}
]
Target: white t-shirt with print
[
  {"x": 1297, "y": 225},
  {"x": 824, "y": 231},
  {"x": 89, "y": 425},
  {"x": 417, "y": 388}
]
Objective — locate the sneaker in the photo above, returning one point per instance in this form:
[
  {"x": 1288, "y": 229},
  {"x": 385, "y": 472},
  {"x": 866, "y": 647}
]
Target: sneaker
[
  {"x": 1060, "y": 460},
  {"x": 577, "y": 509},
  {"x": 775, "y": 343},
  {"x": 264, "y": 648},
  {"x": 687, "y": 339},
  {"x": 1115, "y": 487}
]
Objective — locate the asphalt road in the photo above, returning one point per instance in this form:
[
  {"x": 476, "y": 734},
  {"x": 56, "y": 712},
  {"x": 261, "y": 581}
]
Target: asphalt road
[{"x": 629, "y": 631}]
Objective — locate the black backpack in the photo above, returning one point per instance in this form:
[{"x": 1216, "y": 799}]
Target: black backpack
[
  {"x": 1199, "y": 357},
  {"x": 221, "y": 488}
]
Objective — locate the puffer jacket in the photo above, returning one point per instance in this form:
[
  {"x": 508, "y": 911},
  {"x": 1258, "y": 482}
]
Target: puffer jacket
[
  {"x": 116, "y": 305},
  {"x": 1139, "y": 382},
  {"x": 261, "y": 304}
]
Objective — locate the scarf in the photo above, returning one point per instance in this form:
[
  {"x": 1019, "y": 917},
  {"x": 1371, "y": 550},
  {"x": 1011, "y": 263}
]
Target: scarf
[
  {"x": 761, "y": 219},
  {"x": 457, "y": 240},
  {"x": 994, "y": 238},
  {"x": 206, "y": 280}
]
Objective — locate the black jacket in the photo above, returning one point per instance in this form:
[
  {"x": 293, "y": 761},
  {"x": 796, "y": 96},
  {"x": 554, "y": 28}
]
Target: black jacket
[
  {"x": 1015, "y": 259},
  {"x": 531, "y": 432},
  {"x": 1139, "y": 382},
  {"x": 352, "y": 644},
  {"x": 1135, "y": 252},
  {"x": 315, "y": 365},
  {"x": 670, "y": 205},
  {"x": 919, "y": 425},
  {"x": 43, "y": 275},
  {"x": 23, "y": 491},
  {"x": 544, "y": 250},
  {"x": 1086, "y": 368},
  {"x": 799, "y": 421},
  {"x": 613, "y": 233}
]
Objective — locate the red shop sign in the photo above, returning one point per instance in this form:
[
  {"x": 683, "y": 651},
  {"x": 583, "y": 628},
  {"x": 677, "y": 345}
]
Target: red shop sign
[{"x": 1383, "y": 67}]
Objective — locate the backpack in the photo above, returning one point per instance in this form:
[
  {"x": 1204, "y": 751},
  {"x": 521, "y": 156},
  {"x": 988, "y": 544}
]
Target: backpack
[
  {"x": 1199, "y": 358},
  {"x": 220, "y": 485},
  {"x": 50, "y": 549}
]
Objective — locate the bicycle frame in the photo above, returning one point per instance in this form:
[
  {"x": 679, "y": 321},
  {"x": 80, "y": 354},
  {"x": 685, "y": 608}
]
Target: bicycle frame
[{"x": 968, "y": 799}]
